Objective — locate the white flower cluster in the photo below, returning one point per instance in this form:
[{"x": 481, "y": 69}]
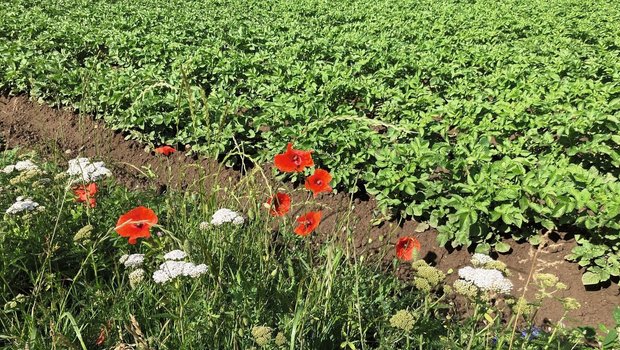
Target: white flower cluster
[
  {"x": 23, "y": 165},
  {"x": 132, "y": 261},
  {"x": 225, "y": 215},
  {"x": 175, "y": 255},
  {"x": 488, "y": 280},
  {"x": 84, "y": 170},
  {"x": 479, "y": 260},
  {"x": 173, "y": 268},
  {"x": 22, "y": 204}
]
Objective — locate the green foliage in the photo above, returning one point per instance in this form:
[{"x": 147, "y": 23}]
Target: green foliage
[
  {"x": 611, "y": 340},
  {"x": 482, "y": 117},
  {"x": 62, "y": 284},
  {"x": 599, "y": 262}
]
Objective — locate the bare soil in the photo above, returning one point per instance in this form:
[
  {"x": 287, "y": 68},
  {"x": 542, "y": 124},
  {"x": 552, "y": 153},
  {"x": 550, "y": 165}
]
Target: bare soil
[{"x": 65, "y": 134}]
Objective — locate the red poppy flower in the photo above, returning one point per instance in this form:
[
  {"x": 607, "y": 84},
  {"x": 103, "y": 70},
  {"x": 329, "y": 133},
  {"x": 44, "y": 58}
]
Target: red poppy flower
[
  {"x": 293, "y": 160},
  {"x": 407, "y": 248},
  {"x": 279, "y": 204},
  {"x": 136, "y": 223},
  {"x": 319, "y": 182},
  {"x": 86, "y": 194},
  {"x": 307, "y": 223},
  {"x": 165, "y": 150}
]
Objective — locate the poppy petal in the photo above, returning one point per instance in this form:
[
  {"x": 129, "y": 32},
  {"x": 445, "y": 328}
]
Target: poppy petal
[
  {"x": 92, "y": 188},
  {"x": 319, "y": 182},
  {"x": 293, "y": 160},
  {"x": 165, "y": 150},
  {"x": 279, "y": 204},
  {"x": 86, "y": 194},
  {"x": 407, "y": 248},
  {"x": 308, "y": 223},
  {"x": 136, "y": 223}
]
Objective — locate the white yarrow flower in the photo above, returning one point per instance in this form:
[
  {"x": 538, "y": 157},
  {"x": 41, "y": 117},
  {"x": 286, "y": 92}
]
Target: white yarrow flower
[
  {"x": 22, "y": 165},
  {"x": 168, "y": 270},
  {"x": 172, "y": 269},
  {"x": 194, "y": 271},
  {"x": 8, "y": 169},
  {"x": 175, "y": 255},
  {"x": 25, "y": 165},
  {"x": 83, "y": 170},
  {"x": 491, "y": 280},
  {"x": 225, "y": 215},
  {"x": 161, "y": 277},
  {"x": 132, "y": 261},
  {"x": 22, "y": 204}
]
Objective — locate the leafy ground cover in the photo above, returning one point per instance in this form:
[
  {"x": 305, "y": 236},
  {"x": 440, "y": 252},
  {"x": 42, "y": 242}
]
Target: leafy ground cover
[
  {"x": 482, "y": 118},
  {"x": 73, "y": 278}
]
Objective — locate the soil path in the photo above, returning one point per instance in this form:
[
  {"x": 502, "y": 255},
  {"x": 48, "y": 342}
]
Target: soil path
[{"x": 30, "y": 125}]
